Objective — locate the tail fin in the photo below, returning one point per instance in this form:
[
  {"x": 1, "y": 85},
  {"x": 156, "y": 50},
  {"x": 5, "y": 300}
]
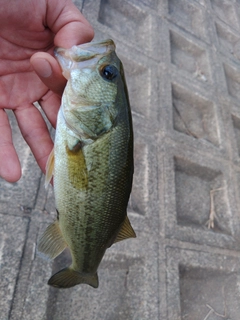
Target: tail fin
[{"x": 68, "y": 278}]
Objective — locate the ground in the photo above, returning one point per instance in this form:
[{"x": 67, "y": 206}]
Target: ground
[{"x": 181, "y": 59}]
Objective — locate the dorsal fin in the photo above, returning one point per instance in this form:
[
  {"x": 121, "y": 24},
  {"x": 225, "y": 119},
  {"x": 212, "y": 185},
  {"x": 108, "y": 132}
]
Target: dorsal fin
[
  {"x": 49, "y": 168},
  {"x": 126, "y": 231}
]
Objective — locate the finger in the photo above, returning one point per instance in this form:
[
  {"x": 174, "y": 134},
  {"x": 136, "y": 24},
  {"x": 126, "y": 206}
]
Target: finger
[
  {"x": 50, "y": 104},
  {"x": 10, "y": 168},
  {"x": 35, "y": 133},
  {"x": 69, "y": 25},
  {"x": 49, "y": 71}
]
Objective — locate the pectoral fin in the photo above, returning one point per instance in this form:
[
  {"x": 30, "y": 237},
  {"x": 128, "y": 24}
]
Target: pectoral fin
[
  {"x": 126, "y": 231},
  {"x": 52, "y": 242},
  {"x": 49, "y": 168}
]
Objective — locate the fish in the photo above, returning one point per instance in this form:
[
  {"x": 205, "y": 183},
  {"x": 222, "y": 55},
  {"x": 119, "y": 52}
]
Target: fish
[{"x": 91, "y": 163}]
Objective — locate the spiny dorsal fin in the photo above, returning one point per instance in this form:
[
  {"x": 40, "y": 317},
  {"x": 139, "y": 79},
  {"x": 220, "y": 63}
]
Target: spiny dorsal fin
[
  {"x": 126, "y": 231},
  {"x": 49, "y": 168},
  {"x": 52, "y": 242}
]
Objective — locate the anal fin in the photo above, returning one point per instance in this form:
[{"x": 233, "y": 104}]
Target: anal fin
[
  {"x": 52, "y": 242},
  {"x": 49, "y": 168},
  {"x": 126, "y": 231}
]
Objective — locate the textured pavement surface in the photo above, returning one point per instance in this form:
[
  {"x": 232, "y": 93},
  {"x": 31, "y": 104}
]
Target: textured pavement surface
[{"x": 182, "y": 63}]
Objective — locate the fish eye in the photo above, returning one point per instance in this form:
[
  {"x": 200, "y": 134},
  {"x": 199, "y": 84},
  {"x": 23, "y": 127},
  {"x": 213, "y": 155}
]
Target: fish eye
[{"x": 109, "y": 72}]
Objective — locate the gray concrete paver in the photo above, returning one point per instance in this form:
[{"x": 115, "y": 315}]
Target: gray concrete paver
[
  {"x": 181, "y": 61},
  {"x": 12, "y": 241}
]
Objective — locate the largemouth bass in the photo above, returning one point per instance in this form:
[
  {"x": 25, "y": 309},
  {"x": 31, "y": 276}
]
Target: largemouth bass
[{"x": 91, "y": 163}]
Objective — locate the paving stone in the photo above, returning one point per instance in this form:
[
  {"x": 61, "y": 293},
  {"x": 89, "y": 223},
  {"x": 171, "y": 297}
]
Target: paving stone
[
  {"x": 199, "y": 189},
  {"x": 226, "y": 12},
  {"x": 12, "y": 240},
  {"x": 187, "y": 56},
  {"x": 109, "y": 17},
  {"x": 228, "y": 39},
  {"x": 181, "y": 60},
  {"x": 236, "y": 126},
  {"x": 193, "y": 115},
  {"x": 126, "y": 276},
  {"x": 201, "y": 284},
  {"x": 189, "y": 15}
]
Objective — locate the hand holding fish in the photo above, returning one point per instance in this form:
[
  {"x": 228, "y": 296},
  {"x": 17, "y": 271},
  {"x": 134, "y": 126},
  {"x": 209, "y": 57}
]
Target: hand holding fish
[{"x": 29, "y": 30}]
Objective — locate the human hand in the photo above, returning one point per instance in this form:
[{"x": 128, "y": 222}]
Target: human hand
[{"x": 29, "y": 30}]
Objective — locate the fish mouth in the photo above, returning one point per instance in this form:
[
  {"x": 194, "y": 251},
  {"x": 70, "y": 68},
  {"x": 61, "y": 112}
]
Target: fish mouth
[
  {"x": 85, "y": 55},
  {"x": 86, "y": 51}
]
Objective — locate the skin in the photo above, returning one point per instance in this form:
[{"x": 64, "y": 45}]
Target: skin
[{"x": 29, "y": 31}]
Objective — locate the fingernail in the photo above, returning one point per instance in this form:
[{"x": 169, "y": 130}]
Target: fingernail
[{"x": 43, "y": 68}]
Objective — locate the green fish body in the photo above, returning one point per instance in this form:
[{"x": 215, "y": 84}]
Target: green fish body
[{"x": 92, "y": 162}]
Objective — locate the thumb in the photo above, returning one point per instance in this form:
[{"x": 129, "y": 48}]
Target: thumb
[
  {"x": 49, "y": 71},
  {"x": 70, "y": 28}
]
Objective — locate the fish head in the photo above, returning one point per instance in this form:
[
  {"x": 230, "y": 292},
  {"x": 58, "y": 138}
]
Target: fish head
[
  {"x": 95, "y": 78},
  {"x": 92, "y": 71}
]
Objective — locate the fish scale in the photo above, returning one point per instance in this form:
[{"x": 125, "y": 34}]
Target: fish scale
[{"x": 92, "y": 163}]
